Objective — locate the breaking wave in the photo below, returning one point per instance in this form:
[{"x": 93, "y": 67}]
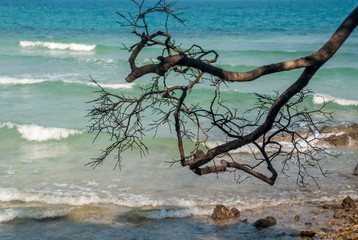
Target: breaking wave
[
  {"x": 19, "y": 81},
  {"x": 58, "y": 46},
  {"x": 32, "y": 132},
  {"x": 27, "y": 81},
  {"x": 9, "y": 214},
  {"x": 323, "y": 98},
  {"x": 106, "y": 85}
]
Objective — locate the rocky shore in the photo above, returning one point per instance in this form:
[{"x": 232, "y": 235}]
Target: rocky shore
[
  {"x": 346, "y": 218},
  {"x": 340, "y": 136},
  {"x": 322, "y": 220}
]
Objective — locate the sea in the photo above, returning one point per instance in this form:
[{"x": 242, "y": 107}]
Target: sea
[{"x": 49, "y": 52}]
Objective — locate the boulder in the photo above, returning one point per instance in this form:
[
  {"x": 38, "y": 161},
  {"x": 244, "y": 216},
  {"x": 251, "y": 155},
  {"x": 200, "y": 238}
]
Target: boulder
[
  {"x": 340, "y": 214},
  {"x": 308, "y": 233},
  {"x": 348, "y": 203},
  {"x": 339, "y": 140},
  {"x": 265, "y": 222},
  {"x": 341, "y": 135},
  {"x": 222, "y": 212}
]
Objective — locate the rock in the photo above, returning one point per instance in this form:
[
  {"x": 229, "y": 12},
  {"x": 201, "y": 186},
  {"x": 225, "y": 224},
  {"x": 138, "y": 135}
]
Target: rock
[
  {"x": 341, "y": 135},
  {"x": 316, "y": 212},
  {"x": 297, "y": 218},
  {"x": 281, "y": 234},
  {"x": 331, "y": 206},
  {"x": 348, "y": 203},
  {"x": 338, "y": 140},
  {"x": 340, "y": 214},
  {"x": 266, "y": 222},
  {"x": 308, "y": 233},
  {"x": 356, "y": 170},
  {"x": 222, "y": 213}
]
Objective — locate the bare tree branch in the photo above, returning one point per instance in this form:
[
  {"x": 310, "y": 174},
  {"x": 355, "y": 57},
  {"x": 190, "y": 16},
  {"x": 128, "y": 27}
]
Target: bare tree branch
[{"x": 276, "y": 117}]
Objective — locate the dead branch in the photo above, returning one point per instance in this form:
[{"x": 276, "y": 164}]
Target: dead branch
[{"x": 279, "y": 116}]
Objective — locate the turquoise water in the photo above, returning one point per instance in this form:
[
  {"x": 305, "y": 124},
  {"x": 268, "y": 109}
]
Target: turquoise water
[{"x": 49, "y": 51}]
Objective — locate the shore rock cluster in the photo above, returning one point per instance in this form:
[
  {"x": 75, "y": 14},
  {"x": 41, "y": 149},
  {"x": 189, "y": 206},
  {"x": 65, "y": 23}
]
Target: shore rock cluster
[
  {"x": 342, "y": 135},
  {"x": 222, "y": 212},
  {"x": 348, "y": 212},
  {"x": 344, "y": 222},
  {"x": 331, "y": 135}
]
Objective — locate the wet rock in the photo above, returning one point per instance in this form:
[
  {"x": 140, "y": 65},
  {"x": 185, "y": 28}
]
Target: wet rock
[
  {"x": 265, "y": 222},
  {"x": 331, "y": 206},
  {"x": 294, "y": 234},
  {"x": 308, "y": 233},
  {"x": 348, "y": 203},
  {"x": 340, "y": 214},
  {"x": 338, "y": 140},
  {"x": 342, "y": 135},
  {"x": 316, "y": 212},
  {"x": 281, "y": 234},
  {"x": 222, "y": 212},
  {"x": 297, "y": 218}
]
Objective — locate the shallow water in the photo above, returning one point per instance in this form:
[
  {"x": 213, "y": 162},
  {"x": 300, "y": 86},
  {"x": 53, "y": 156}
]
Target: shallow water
[{"x": 49, "y": 49}]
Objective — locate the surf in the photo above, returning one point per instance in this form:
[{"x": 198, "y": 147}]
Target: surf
[
  {"x": 33, "y": 132},
  {"x": 58, "y": 46}
]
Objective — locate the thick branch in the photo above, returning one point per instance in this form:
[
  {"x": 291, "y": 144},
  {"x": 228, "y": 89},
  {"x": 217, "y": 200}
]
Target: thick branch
[
  {"x": 225, "y": 165},
  {"x": 121, "y": 116},
  {"x": 321, "y": 56},
  {"x": 318, "y": 57}
]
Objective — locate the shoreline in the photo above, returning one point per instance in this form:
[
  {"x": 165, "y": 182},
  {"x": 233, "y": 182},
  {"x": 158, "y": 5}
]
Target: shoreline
[
  {"x": 326, "y": 219},
  {"x": 323, "y": 220}
]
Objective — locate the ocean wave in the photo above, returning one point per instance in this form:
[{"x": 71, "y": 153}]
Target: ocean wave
[
  {"x": 39, "y": 213},
  {"x": 20, "y": 81},
  {"x": 314, "y": 139},
  {"x": 27, "y": 81},
  {"x": 137, "y": 215},
  {"x": 143, "y": 207},
  {"x": 105, "y": 85},
  {"x": 32, "y": 132},
  {"x": 58, "y": 46},
  {"x": 323, "y": 98}
]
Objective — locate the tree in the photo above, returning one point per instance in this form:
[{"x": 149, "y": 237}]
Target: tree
[{"x": 279, "y": 116}]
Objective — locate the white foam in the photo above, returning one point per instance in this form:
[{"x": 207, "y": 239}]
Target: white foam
[
  {"x": 176, "y": 213},
  {"x": 28, "y": 81},
  {"x": 14, "y": 81},
  {"x": 79, "y": 196},
  {"x": 32, "y": 132},
  {"x": 302, "y": 145},
  {"x": 323, "y": 98},
  {"x": 13, "y": 194},
  {"x": 114, "y": 86},
  {"x": 9, "y": 214},
  {"x": 250, "y": 148},
  {"x": 105, "y": 85},
  {"x": 58, "y": 46}
]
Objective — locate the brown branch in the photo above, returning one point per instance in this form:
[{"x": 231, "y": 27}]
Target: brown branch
[
  {"x": 317, "y": 58},
  {"x": 225, "y": 165},
  {"x": 322, "y": 55},
  {"x": 121, "y": 116}
]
